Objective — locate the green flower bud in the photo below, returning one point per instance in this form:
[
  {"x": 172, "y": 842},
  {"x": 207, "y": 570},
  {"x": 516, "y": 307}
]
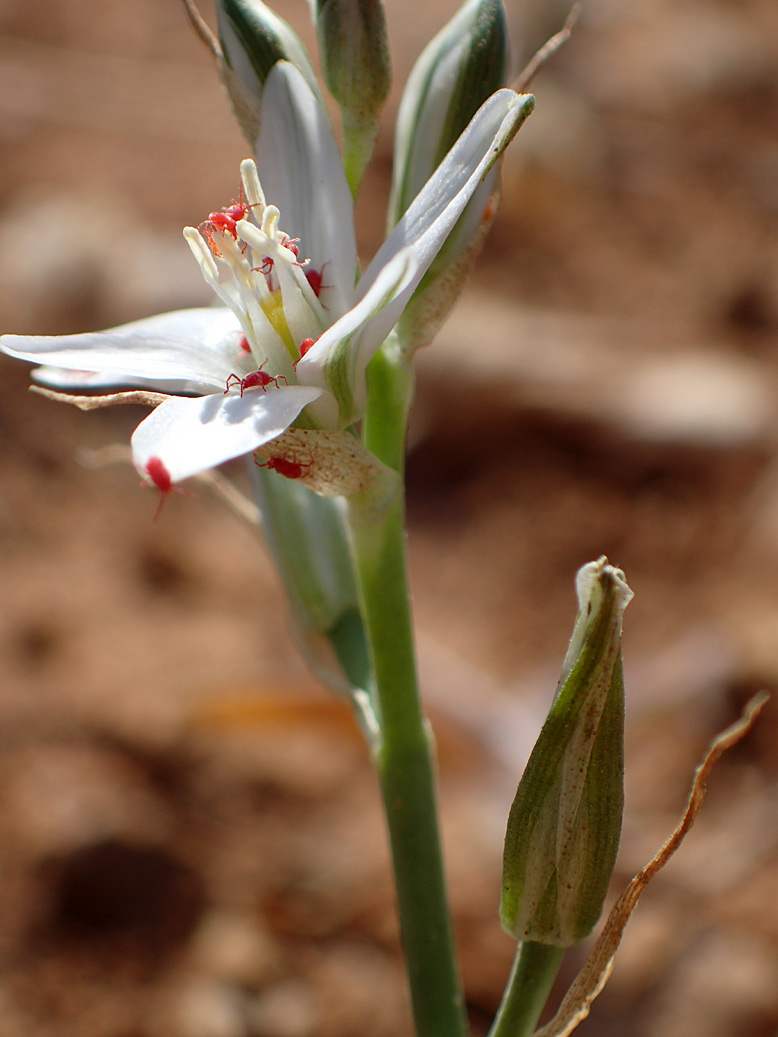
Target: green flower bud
[
  {"x": 357, "y": 69},
  {"x": 462, "y": 66},
  {"x": 253, "y": 38},
  {"x": 565, "y": 822}
]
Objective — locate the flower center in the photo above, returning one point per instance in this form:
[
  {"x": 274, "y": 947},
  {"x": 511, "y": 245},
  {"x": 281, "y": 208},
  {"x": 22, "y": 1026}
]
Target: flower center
[{"x": 255, "y": 269}]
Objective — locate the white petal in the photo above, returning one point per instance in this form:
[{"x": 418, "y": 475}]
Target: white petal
[
  {"x": 436, "y": 209},
  {"x": 340, "y": 356},
  {"x": 302, "y": 175},
  {"x": 198, "y": 347},
  {"x": 189, "y": 435}
]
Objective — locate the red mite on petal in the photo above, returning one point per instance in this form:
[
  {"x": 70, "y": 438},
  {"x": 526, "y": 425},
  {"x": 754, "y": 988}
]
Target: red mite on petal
[
  {"x": 225, "y": 220},
  {"x": 305, "y": 345},
  {"x": 253, "y": 379},
  {"x": 160, "y": 476},
  {"x": 289, "y": 469},
  {"x": 315, "y": 279},
  {"x": 292, "y": 244}
]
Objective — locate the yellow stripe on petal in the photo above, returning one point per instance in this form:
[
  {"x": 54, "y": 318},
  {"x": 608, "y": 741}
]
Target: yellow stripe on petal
[{"x": 273, "y": 308}]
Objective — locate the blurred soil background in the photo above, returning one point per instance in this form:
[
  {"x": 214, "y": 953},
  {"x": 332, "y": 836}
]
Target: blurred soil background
[{"x": 190, "y": 837}]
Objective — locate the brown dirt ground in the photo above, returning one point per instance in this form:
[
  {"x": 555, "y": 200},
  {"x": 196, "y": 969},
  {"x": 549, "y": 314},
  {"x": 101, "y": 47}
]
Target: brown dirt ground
[{"x": 190, "y": 839}]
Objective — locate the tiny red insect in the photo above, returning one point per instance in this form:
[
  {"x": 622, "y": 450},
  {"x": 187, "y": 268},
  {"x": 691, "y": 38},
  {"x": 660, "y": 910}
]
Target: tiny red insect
[
  {"x": 225, "y": 220},
  {"x": 315, "y": 279},
  {"x": 265, "y": 267},
  {"x": 160, "y": 476},
  {"x": 305, "y": 345},
  {"x": 254, "y": 379},
  {"x": 293, "y": 244},
  {"x": 267, "y": 264},
  {"x": 285, "y": 467}
]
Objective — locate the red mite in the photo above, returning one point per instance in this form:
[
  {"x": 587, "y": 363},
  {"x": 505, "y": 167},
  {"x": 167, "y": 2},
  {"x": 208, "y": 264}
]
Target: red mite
[
  {"x": 160, "y": 476},
  {"x": 315, "y": 279},
  {"x": 225, "y": 220},
  {"x": 290, "y": 469},
  {"x": 253, "y": 379},
  {"x": 265, "y": 267},
  {"x": 305, "y": 345},
  {"x": 267, "y": 264},
  {"x": 293, "y": 244}
]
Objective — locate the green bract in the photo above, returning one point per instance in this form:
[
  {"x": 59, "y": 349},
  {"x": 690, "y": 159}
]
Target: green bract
[{"x": 565, "y": 822}]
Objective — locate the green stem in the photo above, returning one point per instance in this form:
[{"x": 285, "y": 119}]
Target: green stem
[
  {"x": 391, "y": 390},
  {"x": 532, "y": 976},
  {"x": 403, "y": 755},
  {"x": 406, "y": 770}
]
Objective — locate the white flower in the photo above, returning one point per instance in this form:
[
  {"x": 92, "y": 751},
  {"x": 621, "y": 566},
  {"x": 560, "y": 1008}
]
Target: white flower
[{"x": 298, "y": 329}]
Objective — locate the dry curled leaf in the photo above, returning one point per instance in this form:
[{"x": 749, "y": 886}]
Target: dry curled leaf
[{"x": 137, "y": 396}]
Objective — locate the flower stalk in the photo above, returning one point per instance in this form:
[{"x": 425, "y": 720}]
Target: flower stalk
[
  {"x": 533, "y": 973},
  {"x": 404, "y": 761}
]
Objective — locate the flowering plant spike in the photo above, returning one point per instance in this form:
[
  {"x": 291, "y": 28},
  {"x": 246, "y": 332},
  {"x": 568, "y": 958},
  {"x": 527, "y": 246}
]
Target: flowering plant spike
[
  {"x": 303, "y": 370},
  {"x": 565, "y": 822}
]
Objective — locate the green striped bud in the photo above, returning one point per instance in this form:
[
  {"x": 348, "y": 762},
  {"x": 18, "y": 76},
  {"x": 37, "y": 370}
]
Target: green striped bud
[
  {"x": 253, "y": 38},
  {"x": 357, "y": 69},
  {"x": 458, "y": 70},
  {"x": 565, "y": 822}
]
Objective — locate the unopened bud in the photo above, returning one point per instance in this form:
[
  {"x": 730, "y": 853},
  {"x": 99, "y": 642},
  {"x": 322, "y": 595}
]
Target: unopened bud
[
  {"x": 458, "y": 70},
  {"x": 357, "y": 69},
  {"x": 462, "y": 66},
  {"x": 565, "y": 822},
  {"x": 253, "y": 38}
]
